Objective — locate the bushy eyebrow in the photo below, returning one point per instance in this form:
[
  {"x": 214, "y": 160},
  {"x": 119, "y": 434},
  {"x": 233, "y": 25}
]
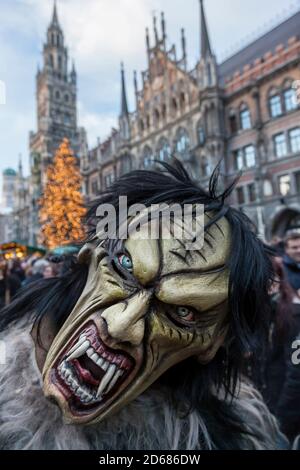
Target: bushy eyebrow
[{"x": 186, "y": 255}]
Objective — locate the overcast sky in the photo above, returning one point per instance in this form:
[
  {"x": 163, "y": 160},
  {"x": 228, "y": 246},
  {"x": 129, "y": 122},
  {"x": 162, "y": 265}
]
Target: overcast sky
[{"x": 99, "y": 34}]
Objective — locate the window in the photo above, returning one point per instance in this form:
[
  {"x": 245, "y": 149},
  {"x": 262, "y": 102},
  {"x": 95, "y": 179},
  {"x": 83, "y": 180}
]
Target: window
[
  {"x": 240, "y": 195},
  {"x": 201, "y": 135},
  {"x": 284, "y": 185},
  {"x": 280, "y": 145},
  {"x": 294, "y": 136},
  {"x": 275, "y": 106},
  {"x": 67, "y": 118},
  {"x": 182, "y": 100},
  {"x": 126, "y": 164},
  {"x": 267, "y": 188},
  {"x": 250, "y": 156},
  {"x": 148, "y": 157},
  {"x": 183, "y": 142},
  {"x": 57, "y": 95},
  {"x": 95, "y": 187},
  {"x": 67, "y": 98},
  {"x": 252, "y": 192},
  {"x": 290, "y": 99},
  {"x": 164, "y": 150},
  {"x": 174, "y": 105},
  {"x": 109, "y": 179},
  {"x": 59, "y": 62},
  {"x": 245, "y": 119},
  {"x": 239, "y": 159}
]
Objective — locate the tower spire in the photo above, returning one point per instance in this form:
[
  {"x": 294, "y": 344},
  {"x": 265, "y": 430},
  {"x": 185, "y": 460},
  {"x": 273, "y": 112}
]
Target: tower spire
[
  {"x": 204, "y": 43},
  {"x": 155, "y": 30},
  {"x": 124, "y": 105},
  {"x": 163, "y": 25},
  {"x": 54, "y": 15}
]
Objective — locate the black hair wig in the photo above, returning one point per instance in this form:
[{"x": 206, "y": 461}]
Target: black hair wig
[{"x": 250, "y": 272}]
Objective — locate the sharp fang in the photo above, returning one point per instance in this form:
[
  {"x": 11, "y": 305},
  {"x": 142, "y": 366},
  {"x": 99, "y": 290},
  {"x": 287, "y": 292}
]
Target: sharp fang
[
  {"x": 79, "y": 342},
  {"x": 114, "y": 380},
  {"x": 80, "y": 351},
  {"x": 106, "y": 379}
]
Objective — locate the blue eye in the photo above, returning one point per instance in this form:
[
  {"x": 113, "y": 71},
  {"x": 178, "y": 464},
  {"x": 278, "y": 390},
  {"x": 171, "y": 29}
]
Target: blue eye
[{"x": 125, "y": 262}]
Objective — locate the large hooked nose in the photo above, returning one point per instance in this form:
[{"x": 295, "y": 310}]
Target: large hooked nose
[{"x": 126, "y": 320}]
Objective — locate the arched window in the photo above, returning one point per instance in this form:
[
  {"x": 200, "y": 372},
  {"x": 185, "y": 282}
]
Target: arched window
[
  {"x": 201, "y": 133},
  {"x": 174, "y": 105},
  {"x": 57, "y": 95},
  {"x": 126, "y": 164},
  {"x": 156, "y": 116},
  {"x": 52, "y": 39},
  {"x": 67, "y": 118},
  {"x": 67, "y": 98},
  {"x": 59, "y": 62},
  {"x": 182, "y": 100},
  {"x": 275, "y": 104},
  {"x": 182, "y": 142},
  {"x": 51, "y": 62},
  {"x": 289, "y": 96},
  {"x": 148, "y": 157},
  {"x": 245, "y": 117},
  {"x": 163, "y": 150}
]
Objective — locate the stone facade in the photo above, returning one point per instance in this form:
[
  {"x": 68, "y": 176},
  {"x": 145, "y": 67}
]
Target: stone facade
[
  {"x": 56, "y": 116},
  {"x": 244, "y": 111}
]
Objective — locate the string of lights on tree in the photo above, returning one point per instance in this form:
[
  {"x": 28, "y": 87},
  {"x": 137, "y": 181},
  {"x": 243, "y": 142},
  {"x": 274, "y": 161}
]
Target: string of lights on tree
[{"x": 61, "y": 206}]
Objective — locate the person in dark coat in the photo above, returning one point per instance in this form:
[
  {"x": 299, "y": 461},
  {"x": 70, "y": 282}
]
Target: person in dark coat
[
  {"x": 9, "y": 285},
  {"x": 289, "y": 403},
  {"x": 291, "y": 259},
  {"x": 279, "y": 386}
]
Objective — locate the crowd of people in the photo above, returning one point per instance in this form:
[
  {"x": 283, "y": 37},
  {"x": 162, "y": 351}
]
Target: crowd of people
[
  {"x": 278, "y": 378},
  {"x": 15, "y": 274}
]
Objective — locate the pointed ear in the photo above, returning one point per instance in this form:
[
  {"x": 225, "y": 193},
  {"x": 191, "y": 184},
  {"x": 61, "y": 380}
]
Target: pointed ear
[
  {"x": 43, "y": 333},
  {"x": 85, "y": 253}
]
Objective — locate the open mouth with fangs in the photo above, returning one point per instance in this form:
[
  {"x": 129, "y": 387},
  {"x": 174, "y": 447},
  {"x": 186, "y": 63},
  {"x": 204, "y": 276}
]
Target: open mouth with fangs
[{"x": 88, "y": 372}]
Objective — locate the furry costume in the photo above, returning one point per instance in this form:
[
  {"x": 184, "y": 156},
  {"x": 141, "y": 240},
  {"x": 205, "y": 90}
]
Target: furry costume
[
  {"x": 173, "y": 326},
  {"x": 29, "y": 421}
]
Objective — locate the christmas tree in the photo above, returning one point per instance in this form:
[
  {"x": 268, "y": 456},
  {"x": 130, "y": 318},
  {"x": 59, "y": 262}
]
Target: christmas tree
[{"x": 61, "y": 207}]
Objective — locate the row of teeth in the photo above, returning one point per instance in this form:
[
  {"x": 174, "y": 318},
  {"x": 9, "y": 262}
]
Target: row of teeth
[
  {"x": 112, "y": 372},
  {"x": 83, "y": 393}
]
